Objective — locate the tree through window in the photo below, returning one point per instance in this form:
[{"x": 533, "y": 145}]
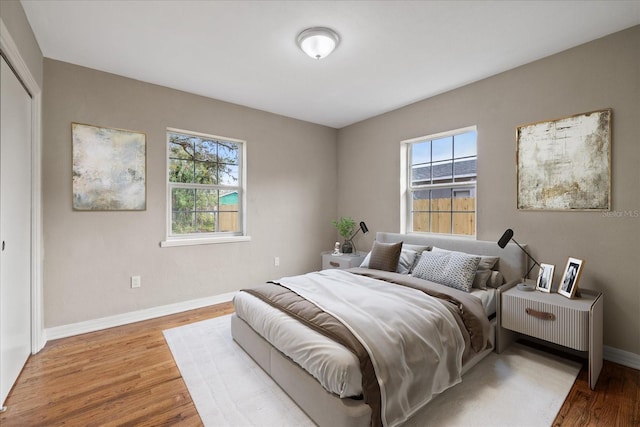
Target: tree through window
[{"x": 205, "y": 184}]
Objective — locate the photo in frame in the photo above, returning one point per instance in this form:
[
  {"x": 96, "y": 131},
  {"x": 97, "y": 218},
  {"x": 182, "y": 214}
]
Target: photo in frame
[
  {"x": 545, "y": 277},
  {"x": 571, "y": 277},
  {"x": 109, "y": 169},
  {"x": 565, "y": 164}
]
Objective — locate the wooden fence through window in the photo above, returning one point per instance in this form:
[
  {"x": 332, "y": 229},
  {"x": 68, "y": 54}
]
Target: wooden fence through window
[{"x": 442, "y": 214}]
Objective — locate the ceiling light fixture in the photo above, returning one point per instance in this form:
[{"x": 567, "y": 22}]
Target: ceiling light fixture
[{"x": 318, "y": 42}]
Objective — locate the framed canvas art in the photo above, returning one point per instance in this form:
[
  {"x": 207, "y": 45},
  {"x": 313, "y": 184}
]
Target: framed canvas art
[
  {"x": 109, "y": 169},
  {"x": 565, "y": 164}
]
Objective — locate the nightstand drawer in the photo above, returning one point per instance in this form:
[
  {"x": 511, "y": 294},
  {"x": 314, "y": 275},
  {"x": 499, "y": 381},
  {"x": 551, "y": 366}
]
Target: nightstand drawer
[
  {"x": 557, "y": 323},
  {"x": 343, "y": 261},
  {"x": 335, "y": 262}
]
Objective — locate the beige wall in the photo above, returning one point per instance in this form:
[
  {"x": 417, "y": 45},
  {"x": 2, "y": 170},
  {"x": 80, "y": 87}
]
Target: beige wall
[
  {"x": 601, "y": 74},
  {"x": 89, "y": 256}
]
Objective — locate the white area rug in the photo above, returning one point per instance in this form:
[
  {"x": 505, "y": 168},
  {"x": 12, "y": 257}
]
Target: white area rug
[{"x": 520, "y": 387}]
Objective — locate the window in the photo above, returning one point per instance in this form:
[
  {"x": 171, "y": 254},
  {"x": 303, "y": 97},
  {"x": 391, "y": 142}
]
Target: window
[
  {"x": 205, "y": 186},
  {"x": 439, "y": 183}
]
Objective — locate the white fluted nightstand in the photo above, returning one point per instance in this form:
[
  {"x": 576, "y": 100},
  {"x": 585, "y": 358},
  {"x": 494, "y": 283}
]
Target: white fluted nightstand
[{"x": 572, "y": 323}]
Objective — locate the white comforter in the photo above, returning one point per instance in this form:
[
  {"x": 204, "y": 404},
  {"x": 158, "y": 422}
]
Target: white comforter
[{"x": 413, "y": 341}]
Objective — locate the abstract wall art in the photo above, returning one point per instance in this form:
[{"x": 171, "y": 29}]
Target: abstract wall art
[
  {"x": 565, "y": 164},
  {"x": 109, "y": 169}
]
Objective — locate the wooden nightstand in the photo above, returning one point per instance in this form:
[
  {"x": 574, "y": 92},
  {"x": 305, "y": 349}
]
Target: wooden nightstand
[
  {"x": 572, "y": 323},
  {"x": 343, "y": 261}
]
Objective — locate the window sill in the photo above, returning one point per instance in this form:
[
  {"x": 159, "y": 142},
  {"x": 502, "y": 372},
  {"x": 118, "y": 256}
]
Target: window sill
[{"x": 204, "y": 241}]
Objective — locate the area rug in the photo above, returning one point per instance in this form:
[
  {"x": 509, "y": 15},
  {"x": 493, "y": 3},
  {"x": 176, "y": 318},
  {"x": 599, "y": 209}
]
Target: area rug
[{"x": 519, "y": 387}]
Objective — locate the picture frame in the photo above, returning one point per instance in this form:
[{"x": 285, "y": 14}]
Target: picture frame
[
  {"x": 109, "y": 169},
  {"x": 571, "y": 277},
  {"x": 564, "y": 164},
  {"x": 545, "y": 277}
]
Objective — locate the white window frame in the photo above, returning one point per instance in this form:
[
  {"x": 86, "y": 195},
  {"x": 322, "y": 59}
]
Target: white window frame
[
  {"x": 406, "y": 189},
  {"x": 214, "y": 237}
]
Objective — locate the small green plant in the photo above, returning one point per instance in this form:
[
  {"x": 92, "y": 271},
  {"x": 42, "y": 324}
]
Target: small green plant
[{"x": 345, "y": 226}]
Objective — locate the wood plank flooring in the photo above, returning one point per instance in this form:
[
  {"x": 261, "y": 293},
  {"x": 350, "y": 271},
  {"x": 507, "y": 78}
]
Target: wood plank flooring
[{"x": 126, "y": 376}]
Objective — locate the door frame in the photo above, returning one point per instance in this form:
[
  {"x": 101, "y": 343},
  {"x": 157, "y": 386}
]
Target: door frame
[{"x": 10, "y": 50}]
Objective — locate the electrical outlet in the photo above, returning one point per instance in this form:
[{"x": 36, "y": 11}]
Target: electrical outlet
[
  {"x": 135, "y": 281},
  {"x": 276, "y": 261}
]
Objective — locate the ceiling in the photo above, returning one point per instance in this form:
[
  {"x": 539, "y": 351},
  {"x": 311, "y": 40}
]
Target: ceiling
[{"x": 392, "y": 53}]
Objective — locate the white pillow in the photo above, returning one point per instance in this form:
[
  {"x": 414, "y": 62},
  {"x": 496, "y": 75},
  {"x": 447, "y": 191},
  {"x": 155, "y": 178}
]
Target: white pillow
[{"x": 454, "y": 269}]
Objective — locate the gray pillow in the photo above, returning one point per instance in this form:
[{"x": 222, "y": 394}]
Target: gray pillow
[
  {"x": 405, "y": 263},
  {"x": 484, "y": 267},
  {"x": 385, "y": 256},
  {"x": 496, "y": 280},
  {"x": 454, "y": 269}
]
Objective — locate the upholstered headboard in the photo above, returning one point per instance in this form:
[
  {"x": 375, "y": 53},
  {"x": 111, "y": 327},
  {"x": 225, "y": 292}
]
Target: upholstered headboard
[{"x": 513, "y": 262}]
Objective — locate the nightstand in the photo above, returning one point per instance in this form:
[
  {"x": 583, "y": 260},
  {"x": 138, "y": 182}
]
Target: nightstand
[
  {"x": 572, "y": 323},
  {"x": 343, "y": 261}
]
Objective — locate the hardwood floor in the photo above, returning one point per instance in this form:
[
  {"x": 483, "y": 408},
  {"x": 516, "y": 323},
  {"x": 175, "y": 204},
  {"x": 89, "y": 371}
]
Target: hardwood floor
[{"x": 127, "y": 376}]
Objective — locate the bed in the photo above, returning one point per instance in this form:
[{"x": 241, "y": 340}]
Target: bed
[{"x": 360, "y": 374}]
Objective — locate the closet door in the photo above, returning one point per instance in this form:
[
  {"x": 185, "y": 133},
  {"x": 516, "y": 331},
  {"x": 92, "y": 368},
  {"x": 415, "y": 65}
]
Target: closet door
[{"x": 15, "y": 228}]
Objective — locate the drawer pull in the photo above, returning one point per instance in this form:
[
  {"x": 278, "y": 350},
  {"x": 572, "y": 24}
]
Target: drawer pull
[
  {"x": 540, "y": 314},
  {"x": 334, "y": 264}
]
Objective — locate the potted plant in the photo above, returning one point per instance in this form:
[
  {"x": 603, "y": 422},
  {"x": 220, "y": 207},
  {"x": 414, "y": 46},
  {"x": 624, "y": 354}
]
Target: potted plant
[{"x": 345, "y": 227}]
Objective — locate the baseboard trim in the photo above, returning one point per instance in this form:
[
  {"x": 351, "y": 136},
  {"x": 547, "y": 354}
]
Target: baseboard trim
[
  {"x": 621, "y": 357},
  {"x": 72, "y": 329}
]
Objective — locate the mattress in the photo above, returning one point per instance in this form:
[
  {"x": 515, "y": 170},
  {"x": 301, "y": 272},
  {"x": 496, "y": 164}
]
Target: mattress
[{"x": 311, "y": 349}]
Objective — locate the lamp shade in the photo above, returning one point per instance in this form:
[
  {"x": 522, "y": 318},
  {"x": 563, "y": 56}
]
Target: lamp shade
[
  {"x": 506, "y": 237},
  {"x": 318, "y": 42}
]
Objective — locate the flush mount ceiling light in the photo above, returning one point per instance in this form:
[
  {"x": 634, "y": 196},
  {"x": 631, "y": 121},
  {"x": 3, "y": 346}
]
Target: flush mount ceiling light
[{"x": 318, "y": 42}]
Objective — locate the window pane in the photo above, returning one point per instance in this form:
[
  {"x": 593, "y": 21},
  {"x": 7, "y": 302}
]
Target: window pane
[
  {"x": 464, "y": 223},
  {"x": 228, "y": 174},
  {"x": 205, "y": 222},
  {"x": 464, "y": 200},
  {"x": 228, "y": 200},
  {"x": 465, "y": 145},
  {"x": 442, "y": 172},
  {"x": 206, "y": 200},
  {"x": 441, "y": 222},
  {"x": 183, "y": 222},
  {"x": 180, "y": 171},
  {"x": 421, "y": 175},
  {"x": 442, "y": 149},
  {"x": 228, "y": 152},
  {"x": 206, "y": 173},
  {"x": 182, "y": 199},
  {"x": 420, "y": 152},
  {"x": 421, "y": 221},
  {"x": 228, "y": 221},
  {"x": 206, "y": 150},
  {"x": 465, "y": 169},
  {"x": 441, "y": 199},
  {"x": 180, "y": 147}
]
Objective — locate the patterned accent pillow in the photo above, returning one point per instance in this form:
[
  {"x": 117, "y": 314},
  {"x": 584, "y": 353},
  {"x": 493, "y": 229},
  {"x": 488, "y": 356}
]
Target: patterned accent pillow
[
  {"x": 385, "y": 256},
  {"x": 453, "y": 269},
  {"x": 483, "y": 273}
]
